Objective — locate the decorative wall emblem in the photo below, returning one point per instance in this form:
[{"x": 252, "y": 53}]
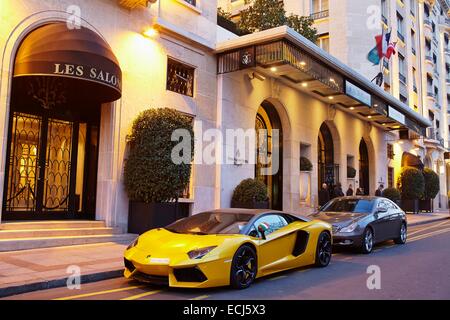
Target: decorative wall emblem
[{"x": 247, "y": 58}]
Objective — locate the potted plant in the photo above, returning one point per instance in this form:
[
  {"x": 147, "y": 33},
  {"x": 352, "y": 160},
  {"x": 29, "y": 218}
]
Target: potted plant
[
  {"x": 411, "y": 185},
  {"x": 431, "y": 190},
  {"x": 392, "y": 194},
  {"x": 351, "y": 172},
  {"x": 305, "y": 164},
  {"x": 250, "y": 194},
  {"x": 153, "y": 181}
]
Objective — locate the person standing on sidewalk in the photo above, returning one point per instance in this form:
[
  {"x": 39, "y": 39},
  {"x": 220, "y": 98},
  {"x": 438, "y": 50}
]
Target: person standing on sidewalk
[
  {"x": 349, "y": 192},
  {"x": 337, "y": 192},
  {"x": 324, "y": 195},
  {"x": 379, "y": 191}
]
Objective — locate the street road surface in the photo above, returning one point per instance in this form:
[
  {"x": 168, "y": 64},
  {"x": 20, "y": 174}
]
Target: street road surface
[{"x": 418, "y": 270}]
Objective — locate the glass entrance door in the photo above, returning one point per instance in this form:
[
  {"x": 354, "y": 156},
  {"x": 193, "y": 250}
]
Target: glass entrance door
[{"x": 48, "y": 164}]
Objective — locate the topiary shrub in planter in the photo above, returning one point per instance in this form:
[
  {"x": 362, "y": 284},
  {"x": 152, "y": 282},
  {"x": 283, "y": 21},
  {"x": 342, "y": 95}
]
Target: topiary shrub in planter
[
  {"x": 305, "y": 164},
  {"x": 250, "y": 194},
  {"x": 392, "y": 194},
  {"x": 431, "y": 190},
  {"x": 351, "y": 172},
  {"x": 153, "y": 181},
  {"x": 412, "y": 186}
]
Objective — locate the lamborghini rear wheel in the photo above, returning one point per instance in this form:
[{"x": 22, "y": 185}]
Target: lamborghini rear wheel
[
  {"x": 243, "y": 267},
  {"x": 323, "y": 250}
]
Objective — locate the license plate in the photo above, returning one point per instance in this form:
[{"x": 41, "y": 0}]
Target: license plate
[{"x": 160, "y": 260}]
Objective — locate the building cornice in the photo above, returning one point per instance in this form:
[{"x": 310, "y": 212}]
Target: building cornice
[{"x": 287, "y": 33}]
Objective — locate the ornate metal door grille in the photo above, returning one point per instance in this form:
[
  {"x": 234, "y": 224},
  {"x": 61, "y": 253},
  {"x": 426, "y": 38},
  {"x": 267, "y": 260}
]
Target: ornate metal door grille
[
  {"x": 58, "y": 164},
  {"x": 40, "y": 171},
  {"x": 23, "y": 163}
]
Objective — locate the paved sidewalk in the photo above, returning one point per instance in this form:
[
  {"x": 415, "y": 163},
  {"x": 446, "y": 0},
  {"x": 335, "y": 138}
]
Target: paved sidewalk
[
  {"x": 38, "y": 269},
  {"x": 423, "y": 218}
]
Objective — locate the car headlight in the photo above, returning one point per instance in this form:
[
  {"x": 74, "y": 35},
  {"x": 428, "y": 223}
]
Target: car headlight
[
  {"x": 133, "y": 244},
  {"x": 200, "y": 253},
  {"x": 349, "y": 228}
]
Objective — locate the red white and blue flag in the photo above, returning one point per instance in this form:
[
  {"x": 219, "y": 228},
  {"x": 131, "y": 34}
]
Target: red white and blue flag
[
  {"x": 390, "y": 50},
  {"x": 384, "y": 48}
]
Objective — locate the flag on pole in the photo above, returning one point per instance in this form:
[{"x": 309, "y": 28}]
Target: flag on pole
[
  {"x": 391, "y": 50},
  {"x": 386, "y": 42},
  {"x": 373, "y": 56},
  {"x": 376, "y": 53}
]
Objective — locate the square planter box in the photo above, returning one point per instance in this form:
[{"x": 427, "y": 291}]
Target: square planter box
[
  {"x": 426, "y": 205},
  {"x": 411, "y": 206},
  {"x": 146, "y": 216}
]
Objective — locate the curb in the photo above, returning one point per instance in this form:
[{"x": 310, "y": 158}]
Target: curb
[
  {"x": 418, "y": 223},
  {"x": 56, "y": 283}
]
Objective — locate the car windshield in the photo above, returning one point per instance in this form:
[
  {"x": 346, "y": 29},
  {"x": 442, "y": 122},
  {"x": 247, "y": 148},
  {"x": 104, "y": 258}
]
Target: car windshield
[
  {"x": 349, "y": 205},
  {"x": 211, "y": 223}
]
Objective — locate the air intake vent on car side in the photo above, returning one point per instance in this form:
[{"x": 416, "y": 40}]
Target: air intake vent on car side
[
  {"x": 300, "y": 243},
  {"x": 129, "y": 265}
]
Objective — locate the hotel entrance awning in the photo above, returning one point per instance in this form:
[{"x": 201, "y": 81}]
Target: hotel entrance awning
[
  {"x": 284, "y": 54},
  {"x": 78, "y": 55}
]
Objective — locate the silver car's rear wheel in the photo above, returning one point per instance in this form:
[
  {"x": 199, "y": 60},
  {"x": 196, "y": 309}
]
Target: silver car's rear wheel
[{"x": 403, "y": 235}]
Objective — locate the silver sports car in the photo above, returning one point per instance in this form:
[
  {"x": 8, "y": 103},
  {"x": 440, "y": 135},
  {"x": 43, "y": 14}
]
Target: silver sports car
[{"x": 361, "y": 221}]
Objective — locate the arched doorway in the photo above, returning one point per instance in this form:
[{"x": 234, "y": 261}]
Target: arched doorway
[
  {"x": 270, "y": 172},
  {"x": 327, "y": 170},
  {"x": 364, "y": 169},
  {"x": 61, "y": 77}
]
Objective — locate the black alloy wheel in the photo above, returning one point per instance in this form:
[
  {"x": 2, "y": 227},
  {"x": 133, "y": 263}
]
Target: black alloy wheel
[
  {"x": 243, "y": 267},
  {"x": 323, "y": 250}
]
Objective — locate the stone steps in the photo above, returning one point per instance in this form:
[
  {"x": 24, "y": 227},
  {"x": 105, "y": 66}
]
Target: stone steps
[
  {"x": 65, "y": 224},
  {"x": 45, "y": 234},
  {"x": 35, "y": 243},
  {"x": 64, "y": 232}
]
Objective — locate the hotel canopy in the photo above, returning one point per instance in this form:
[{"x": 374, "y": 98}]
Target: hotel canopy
[{"x": 286, "y": 55}]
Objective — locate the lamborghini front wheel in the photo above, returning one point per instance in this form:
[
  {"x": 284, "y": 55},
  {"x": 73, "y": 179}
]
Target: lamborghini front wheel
[
  {"x": 323, "y": 250},
  {"x": 243, "y": 267}
]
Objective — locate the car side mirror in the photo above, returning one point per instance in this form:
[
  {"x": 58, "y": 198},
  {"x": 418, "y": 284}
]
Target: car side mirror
[
  {"x": 262, "y": 229},
  {"x": 381, "y": 210},
  {"x": 253, "y": 233}
]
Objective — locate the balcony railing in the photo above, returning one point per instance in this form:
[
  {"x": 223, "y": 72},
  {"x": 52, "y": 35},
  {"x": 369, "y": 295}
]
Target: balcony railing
[
  {"x": 429, "y": 59},
  {"x": 384, "y": 19},
  {"x": 400, "y": 36},
  {"x": 431, "y": 94},
  {"x": 320, "y": 15},
  {"x": 402, "y": 77},
  {"x": 427, "y": 22},
  {"x": 131, "y": 4},
  {"x": 278, "y": 53},
  {"x": 433, "y": 134}
]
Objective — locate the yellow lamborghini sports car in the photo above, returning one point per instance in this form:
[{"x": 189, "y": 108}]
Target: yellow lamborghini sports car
[{"x": 227, "y": 247}]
